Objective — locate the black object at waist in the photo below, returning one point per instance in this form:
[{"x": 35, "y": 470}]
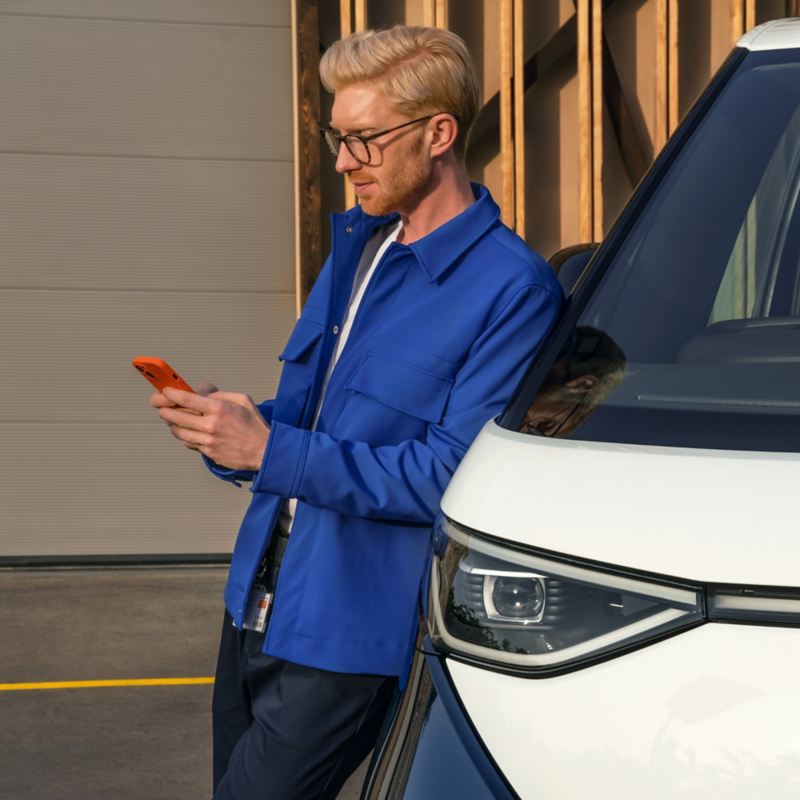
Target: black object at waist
[{"x": 268, "y": 569}]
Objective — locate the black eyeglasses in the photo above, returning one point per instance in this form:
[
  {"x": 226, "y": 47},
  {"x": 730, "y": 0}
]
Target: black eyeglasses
[
  {"x": 357, "y": 145},
  {"x": 551, "y": 427}
]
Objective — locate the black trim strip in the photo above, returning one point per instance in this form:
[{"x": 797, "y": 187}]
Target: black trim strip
[
  {"x": 131, "y": 560},
  {"x": 588, "y": 563},
  {"x": 706, "y": 588}
]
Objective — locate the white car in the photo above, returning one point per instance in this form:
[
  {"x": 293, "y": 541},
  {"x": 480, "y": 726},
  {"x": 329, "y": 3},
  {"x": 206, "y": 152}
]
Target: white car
[{"x": 615, "y": 591}]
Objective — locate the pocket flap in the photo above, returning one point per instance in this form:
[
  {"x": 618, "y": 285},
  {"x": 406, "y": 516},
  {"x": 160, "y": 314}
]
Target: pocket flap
[
  {"x": 402, "y": 386},
  {"x": 303, "y": 338}
]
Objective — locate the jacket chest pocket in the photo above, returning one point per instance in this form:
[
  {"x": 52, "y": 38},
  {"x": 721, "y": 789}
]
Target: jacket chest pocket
[
  {"x": 299, "y": 363},
  {"x": 393, "y": 399}
]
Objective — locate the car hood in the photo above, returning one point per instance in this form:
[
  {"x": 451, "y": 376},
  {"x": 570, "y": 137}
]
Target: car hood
[{"x": 702, "y": 515}]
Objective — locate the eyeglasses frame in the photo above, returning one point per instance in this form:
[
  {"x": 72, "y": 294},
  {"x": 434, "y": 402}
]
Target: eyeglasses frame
[{"x": 365, "y": 140}]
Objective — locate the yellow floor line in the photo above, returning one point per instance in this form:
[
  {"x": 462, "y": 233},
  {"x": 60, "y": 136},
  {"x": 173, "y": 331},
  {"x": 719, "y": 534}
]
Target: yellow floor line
[{"x": 26, "y": 687}]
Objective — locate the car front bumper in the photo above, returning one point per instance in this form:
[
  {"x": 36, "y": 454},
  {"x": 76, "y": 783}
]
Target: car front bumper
[{"x": 711, "y": 713}]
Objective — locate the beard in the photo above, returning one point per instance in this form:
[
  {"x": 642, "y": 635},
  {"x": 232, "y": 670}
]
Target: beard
[{"x": 401, "y": 184}]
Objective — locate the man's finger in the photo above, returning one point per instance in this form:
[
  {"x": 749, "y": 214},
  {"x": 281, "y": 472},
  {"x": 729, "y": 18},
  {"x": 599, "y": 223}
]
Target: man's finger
[
  {"x": 190, "y": 438},
  {"x": 190, "y": 400},
  {"x": 235, "y": 397},
  {"x": 184, "y": 419},
  {"x": 158, "y": 400}
]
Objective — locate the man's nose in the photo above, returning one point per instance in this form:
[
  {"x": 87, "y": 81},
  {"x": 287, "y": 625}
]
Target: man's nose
[{"x": 345, "y": 161}]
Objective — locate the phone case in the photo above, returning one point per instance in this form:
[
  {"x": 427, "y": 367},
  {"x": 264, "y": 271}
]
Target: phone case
[{"x": 159, "y": 373}]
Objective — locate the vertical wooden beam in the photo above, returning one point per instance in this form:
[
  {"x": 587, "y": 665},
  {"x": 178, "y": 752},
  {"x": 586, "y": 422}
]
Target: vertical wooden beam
[
  {"x": 506, "y": 111},
  {"x": 519, "y": 116},
  {"x": 737, "y": 19},
  {"x": 435, "y": 13},
  {"x": 361, "y": 15},
  {"x": 662, "y": 77},
  {"x": 346, "y": 18},
  {"x": 673, "y": 31},
  {"x": 584, "y": 122},
  {"x": 749, "y": 14},
  {"x": 442, "y": 14},
  {"x": 306, "y": 111},
  {"x": 345, "y": 29},
  {"x": 597, "y": 120},
  {"x": 429, "y": 13},
  {"x": 793, "y": 8}
]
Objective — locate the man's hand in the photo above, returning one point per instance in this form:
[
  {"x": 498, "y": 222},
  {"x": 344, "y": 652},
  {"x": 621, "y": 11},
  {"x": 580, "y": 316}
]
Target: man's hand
[{"x": 225, "y": 426}]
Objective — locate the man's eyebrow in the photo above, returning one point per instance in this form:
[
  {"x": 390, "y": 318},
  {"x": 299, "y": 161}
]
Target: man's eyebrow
[{"x": 355, "y": 131}]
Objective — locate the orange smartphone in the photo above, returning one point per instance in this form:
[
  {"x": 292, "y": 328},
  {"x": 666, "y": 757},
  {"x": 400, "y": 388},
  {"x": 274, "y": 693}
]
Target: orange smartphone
[{"x": 160, "y": 374}]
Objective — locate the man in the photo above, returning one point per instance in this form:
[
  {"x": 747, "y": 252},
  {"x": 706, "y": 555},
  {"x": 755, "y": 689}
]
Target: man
[{"x": 423, "y": 319}]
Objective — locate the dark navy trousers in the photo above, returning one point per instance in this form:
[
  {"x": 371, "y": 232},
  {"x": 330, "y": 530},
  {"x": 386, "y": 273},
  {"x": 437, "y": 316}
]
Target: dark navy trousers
[{"x": 284, "y": 731}]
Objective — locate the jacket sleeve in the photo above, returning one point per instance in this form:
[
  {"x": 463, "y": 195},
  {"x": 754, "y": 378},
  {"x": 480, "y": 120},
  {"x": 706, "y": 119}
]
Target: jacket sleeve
[
  {"x": 234, "y": 476},
  {"x": 405, "y": 481}
]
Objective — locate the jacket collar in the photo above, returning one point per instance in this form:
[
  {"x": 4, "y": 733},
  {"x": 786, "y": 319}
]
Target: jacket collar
[{"x": 442, "y": 247}]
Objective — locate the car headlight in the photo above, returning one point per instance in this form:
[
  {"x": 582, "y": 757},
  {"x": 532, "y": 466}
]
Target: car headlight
[{"x": 528, "y": 611}]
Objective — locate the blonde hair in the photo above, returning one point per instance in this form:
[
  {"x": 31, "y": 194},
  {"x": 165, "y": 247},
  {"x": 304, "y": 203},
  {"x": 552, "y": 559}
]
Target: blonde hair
[{"x": 420, "y": 70}]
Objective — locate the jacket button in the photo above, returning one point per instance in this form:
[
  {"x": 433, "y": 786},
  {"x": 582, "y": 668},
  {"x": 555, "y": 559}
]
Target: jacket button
[
  {"x": 348, "y": 229},
  {"x": 335, "y": 330}
]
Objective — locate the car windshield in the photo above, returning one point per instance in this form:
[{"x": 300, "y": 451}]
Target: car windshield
[{"x": 692, "y": 336}]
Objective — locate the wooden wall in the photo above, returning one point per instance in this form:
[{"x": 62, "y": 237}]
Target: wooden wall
[{"x": 578, "y": 96}]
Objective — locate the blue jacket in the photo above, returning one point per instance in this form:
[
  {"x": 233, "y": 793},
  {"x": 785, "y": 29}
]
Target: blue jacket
[{"x": 444, "y": 333}]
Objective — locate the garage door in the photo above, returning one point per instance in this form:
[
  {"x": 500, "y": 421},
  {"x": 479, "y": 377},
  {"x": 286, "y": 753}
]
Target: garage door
[{"x": 146, "y": 208}]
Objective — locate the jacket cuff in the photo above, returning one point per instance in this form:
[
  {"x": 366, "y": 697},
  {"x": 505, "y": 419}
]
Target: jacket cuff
[
  {"x": 284, "y": 461},
  {"x": 231, "y": 475}
]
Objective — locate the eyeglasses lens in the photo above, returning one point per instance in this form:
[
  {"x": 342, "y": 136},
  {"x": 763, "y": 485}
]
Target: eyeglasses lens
[
  {"x": 331, "y": 141},
  {"x": 356, "y": 147}
]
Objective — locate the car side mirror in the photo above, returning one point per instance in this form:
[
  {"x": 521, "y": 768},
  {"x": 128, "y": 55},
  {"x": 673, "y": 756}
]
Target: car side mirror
[{"x": 569, "y": 262}]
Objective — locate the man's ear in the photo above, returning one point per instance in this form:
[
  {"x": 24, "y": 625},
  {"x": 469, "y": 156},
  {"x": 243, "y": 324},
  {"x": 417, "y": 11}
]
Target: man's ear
[
  {"x": 444, "y": 129},
  {"x": 583, "y": 383}
]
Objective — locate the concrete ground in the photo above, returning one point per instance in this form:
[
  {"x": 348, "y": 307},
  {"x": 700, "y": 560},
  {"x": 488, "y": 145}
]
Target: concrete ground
[{"x": 128, "y": 742}]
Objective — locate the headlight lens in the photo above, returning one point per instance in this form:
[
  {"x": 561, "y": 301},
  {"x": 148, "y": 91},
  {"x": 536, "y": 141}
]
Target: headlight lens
[
  {"x": 524, "y": 610},
  {"x": 520, "y": 598}
]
